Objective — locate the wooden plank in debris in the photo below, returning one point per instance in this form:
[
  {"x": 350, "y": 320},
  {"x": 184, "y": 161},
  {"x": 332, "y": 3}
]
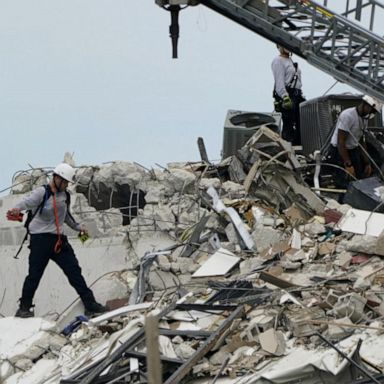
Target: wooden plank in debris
[
  {"x": 202, "y": 150},
  {"x": 154, "y": 369},
  {"x": 272, "y": 279},
  {"x": 177, "y": 376},
  {"x": 251, "y": 175}
]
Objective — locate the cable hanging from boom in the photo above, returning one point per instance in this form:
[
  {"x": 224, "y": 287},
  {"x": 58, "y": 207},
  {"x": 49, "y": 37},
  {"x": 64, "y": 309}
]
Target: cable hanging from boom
[{"x": 174, "y": 7}]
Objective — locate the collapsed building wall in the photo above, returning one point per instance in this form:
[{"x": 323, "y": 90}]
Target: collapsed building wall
[{"x": 244, "y": 261}]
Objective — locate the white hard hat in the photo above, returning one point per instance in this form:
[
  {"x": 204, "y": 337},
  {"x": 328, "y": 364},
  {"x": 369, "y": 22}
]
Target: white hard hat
[
  {"x": 65, "y": 171},
  {"x": 374, "y": 103}
]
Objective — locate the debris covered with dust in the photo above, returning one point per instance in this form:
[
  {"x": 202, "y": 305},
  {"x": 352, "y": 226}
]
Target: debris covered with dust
[{"x": 250, "y": 275}]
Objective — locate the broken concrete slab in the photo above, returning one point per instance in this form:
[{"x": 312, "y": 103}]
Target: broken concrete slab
[
  {"x": 365, "y": 244},
  {"x": 273, "y": 342},
  {"x": 362, "y": 222},
  {"x": 266, "y": 237},
  {"x": 30, "y": 338},
  {"x": 170, "y": 274},
  {"x": 220, "y": 263}
]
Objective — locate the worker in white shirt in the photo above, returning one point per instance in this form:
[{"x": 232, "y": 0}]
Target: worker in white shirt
[
  {"x": 348, "y": 146},
  {"x": 288, "y": 94}
]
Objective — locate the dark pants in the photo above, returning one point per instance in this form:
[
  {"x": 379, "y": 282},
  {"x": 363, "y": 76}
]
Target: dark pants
[
  {"x": 42, "y": 250},
  {"x": 341, "y": 178},
  {"x": 291, "y": 118}
]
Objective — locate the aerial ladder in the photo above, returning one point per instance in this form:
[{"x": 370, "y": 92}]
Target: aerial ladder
[{"x": 339, "y": 44}]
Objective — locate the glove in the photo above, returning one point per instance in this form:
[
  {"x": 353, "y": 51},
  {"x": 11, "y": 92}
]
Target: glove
[
  {"x": 367, "y": 170},
  {"x": 287, "y": 102},
  {"x": 277, "y": 106},
  {"x": 83, "y": 236},
  {"x": 349, "y": 169},
  {"x": 14, "y": 214}
]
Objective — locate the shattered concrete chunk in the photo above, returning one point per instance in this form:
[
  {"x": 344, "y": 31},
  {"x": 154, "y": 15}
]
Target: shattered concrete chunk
[
  {"x": 155, "y": 194},
  {"x": 266, "y": 237},
  {"x": 257, "y": 325},
  {"x": 184, "y": 351},
  {"x": 155, "y": 212},
  {"x": 164, "y": 263},
  {"x": 233, "y": 190},
  {"x": 25, "y": 182},
  {"x": 6, "y": 369},
  {"x": 365, "y": 244},
  {"x": 166, "y": 347},
  {"x": 231, "y": 233},
  {"x": 249, "y": 265},
  {"x": 24, "y": 364},
  {"x": 205, "y": 183},
  {"x": 273, "y": 342},
  {"x": 314, "y": 229},
  {"x": 182, "y": 180},
  {"x": 240, "y": 354},
  {"x": 343, "y": 259},
  {"x": 160, "y": 280},
  {"x": 219, "y": 357},
  {"x": 350, "y": 305}
]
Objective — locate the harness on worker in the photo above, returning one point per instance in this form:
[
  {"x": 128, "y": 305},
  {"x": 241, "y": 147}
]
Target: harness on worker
[
  {"x": 31, "y": 214},
  {"x": 290, "y": 87}
]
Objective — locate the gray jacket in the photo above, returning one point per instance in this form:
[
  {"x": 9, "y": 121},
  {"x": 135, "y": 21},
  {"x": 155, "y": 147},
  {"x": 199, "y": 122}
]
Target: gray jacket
[{"x": 45, "y": 222}]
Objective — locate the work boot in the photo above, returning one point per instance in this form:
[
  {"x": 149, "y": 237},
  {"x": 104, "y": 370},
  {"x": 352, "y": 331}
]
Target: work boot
[
  {"x": 24, "y": 312},
  {"x": 94, "y": 308}
]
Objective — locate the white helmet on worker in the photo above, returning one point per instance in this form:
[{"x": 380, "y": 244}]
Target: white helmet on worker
[
  {"x": 65, "y": 171},
  {"x": 374, "y": 103}
]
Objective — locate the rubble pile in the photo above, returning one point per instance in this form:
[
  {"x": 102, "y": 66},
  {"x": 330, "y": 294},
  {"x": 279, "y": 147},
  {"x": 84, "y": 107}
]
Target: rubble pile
[{"x": 252, "y": 277}]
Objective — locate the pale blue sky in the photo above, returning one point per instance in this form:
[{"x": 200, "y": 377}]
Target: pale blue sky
[{"x": 96, "y": 77}]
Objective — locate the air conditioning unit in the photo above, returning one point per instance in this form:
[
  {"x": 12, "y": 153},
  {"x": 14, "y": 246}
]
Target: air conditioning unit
[
  {"x": 318, "y": 118},
  {"x": 239, "y": 126}
]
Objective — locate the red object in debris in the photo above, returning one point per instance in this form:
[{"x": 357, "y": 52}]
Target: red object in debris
[
  {"x": 359, "y": 259},
  {"x": 372, "y": 302},
  {"x": 332, "y": 216},
  {"x": 13, "y": 216}
]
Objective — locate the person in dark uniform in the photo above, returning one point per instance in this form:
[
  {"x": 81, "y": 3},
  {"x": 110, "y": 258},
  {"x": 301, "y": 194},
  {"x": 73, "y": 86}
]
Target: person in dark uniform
[{"x": 288, "y": 94}]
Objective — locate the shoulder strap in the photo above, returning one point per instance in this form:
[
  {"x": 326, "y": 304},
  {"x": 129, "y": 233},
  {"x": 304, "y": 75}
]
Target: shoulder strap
[
  {"x": 31, "y": 215},
  {"x": 68, "y": 201},
  {"x": 295, "y": 76},
  {"x": 47, "y": 195}
]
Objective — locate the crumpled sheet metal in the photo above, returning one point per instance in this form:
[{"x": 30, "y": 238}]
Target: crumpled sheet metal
[
  {"x": 323, "y": 365},
  {"x": 138, "y": 292},
  {"x": 89, "y": 358},
  {"x": 302, "y": 366}
]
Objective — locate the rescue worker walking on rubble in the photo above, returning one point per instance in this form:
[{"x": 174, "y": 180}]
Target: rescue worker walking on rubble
[
  {"x": 287, "y": 94},
  {"x": 348, "y": 146},
  {"x": 49, "y": 208}
]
